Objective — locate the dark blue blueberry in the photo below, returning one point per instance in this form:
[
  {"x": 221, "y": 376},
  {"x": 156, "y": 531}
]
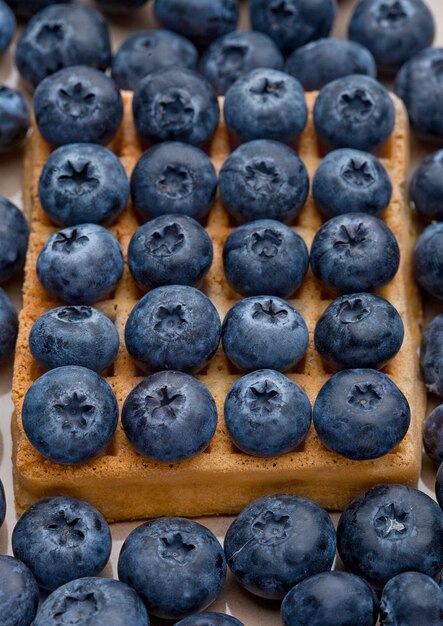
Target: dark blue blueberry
[
  {"x": 209, "y": 619},
  {"x": 78, "y": 104},
  {"x": 201, "y": 21},
  {"x": 14, "y": 118},
  {"x": 74, "y": 335},
  {"x": 393, "y": 30},
  {"x": 277, "y": 541},
  {"x": 236, "y": 54},
  {"x": 14, "y": 234},
  {"x": 332, "y": 598},
  {"x": 293, "y": 23},
  {"x": 427, "y": 258},
  {"x": 83, "y": 183},
  {"x": 93, "y": 602},
  {"x": 70, "y": 415},
  {"x": 351, "y": 181},
  {"x": 173, "y": 177},
  {"x": 8, "y": 326},
  {"x": 355, "y": 111},
  {"x": 7, "y": 26},
  {"x": 361, "y": 414},
  {"x": 266, "y": 104},
  {"x": 176, "y": 565},
  {"x": 355, "y": 252},
  {"x": 117, "y": 6},
  {"x": 359, "y": 330},
  {"x": 27, "y": 8},
  {"x": 2, "y": 504},
  {"x": 61, "y": 36},
  {"x": 264, "y": 332},
  {"x": 80, "y": 264},
  {"x": 433, "y": 435},
  {"x": 431, "y": 355},
  {"x": 265, "y": 257},
  {"x": 263, "y": 179},
  {"x": 148, "y": 51},
  {"x": 320, "y": 62},
  {"x": 391, "y": 529},
  {"x": 419, "y": 85},
  {"x": 266, "y": 414},
  {"x": 426, "y": 190},
  {"x": 18, "y": 594},
  {"x": 61, "y": 539},
  {"x": 173, "y": 327},
  {"x": 170, "y": 416},
  {"x": 439, "y": 491},
  {"x": 169, "y": 250},
  {"x": 411, "y": 598},
  {"x": 175, "y": 105}
]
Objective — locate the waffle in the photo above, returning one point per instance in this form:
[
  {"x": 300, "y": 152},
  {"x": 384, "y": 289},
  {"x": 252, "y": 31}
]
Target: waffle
[{"x": 220, "y": 480}]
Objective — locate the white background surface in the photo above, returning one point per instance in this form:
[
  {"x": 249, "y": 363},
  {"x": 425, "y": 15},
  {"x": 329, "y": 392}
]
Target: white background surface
[{"x": 233, "y": 600}]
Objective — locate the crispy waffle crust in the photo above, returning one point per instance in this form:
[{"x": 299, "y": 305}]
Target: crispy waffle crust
[{"x": 221, "y": 480}]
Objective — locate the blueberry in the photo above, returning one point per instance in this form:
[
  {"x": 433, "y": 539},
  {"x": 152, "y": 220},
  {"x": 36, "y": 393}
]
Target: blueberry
[
  {"x": 7, "y": 26},
  {"x": 439, "y": 490},
  {"x": 74, "y": 335},
  {"x": 419, "y": 85},
  {"x": 209, "y": 619},
  {"x": 2, "y": 504},
  {"x": 169, "y": 250},
  {"x": 266, "y": 104},
  {"x": 236, "y": 54},
  {"x": 333, "y": 598},
  {"x": 19, "y": 594},
  {"x": 393, "y": 30},
  {"x": 361, "y": 414},
  {"x": 61, "y": 36},
  {"x": 266, "y": 414},
  {"x": 80, "y": 264},
  {"x": 83, "y": 183},
  {"x": 426, "y": 188},
  {"x": 265, "y": 257},
  {"x": 14, "y": 118},
  {"x": 354, "y": 252},
  {"x": 8, "y": 326},
  {"x": 320, "y": 62},
  {"x": 78, "y": 104},
  {"x": 201, "y": 21},
  {"x": 264, "y": 332},
  {"x": 176, "y": 565},
  {"x": 427, "y": 258},
  {"x": 293, "y": 23},
  {"x": 355, "y": 111},
  {"x": 173, "y": 327},
  {"x": 390, "y": 529},
  {"x": 93, "y": 602},
  {"x": 263, "y": 179},
  {"x": 70, "y": 415},
  {"x": 117, "y": 6},
  {"x": 433, "y": 435},
  {"x": 277, "y": 541},
  {"x": 351, "y": 181},
  {"x": 170, "y": 416},
  {"x": 14, "y": 234},
  {"x": 175, "y": 104},
  {"x": 148, "y": 51},
  {"x": 431, "y": 355},
  {"x": 61, "y": 539},
  {"x": 411, "y": 598},
  {"x": 27, "y": 8},
  {"x": 359, "y": 330},
  {"x": 173, "y": 177}
]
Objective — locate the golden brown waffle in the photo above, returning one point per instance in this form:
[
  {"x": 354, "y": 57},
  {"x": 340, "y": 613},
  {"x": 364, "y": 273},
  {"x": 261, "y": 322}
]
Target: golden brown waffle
[{"x": 221, "y": 480}]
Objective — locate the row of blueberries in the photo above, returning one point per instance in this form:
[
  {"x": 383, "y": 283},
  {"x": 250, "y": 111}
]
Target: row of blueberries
[{"x": 279, "y": 547}]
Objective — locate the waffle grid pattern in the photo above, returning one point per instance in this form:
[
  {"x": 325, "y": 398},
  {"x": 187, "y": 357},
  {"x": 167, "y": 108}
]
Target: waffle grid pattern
[{"x": 221, "y": 480}]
